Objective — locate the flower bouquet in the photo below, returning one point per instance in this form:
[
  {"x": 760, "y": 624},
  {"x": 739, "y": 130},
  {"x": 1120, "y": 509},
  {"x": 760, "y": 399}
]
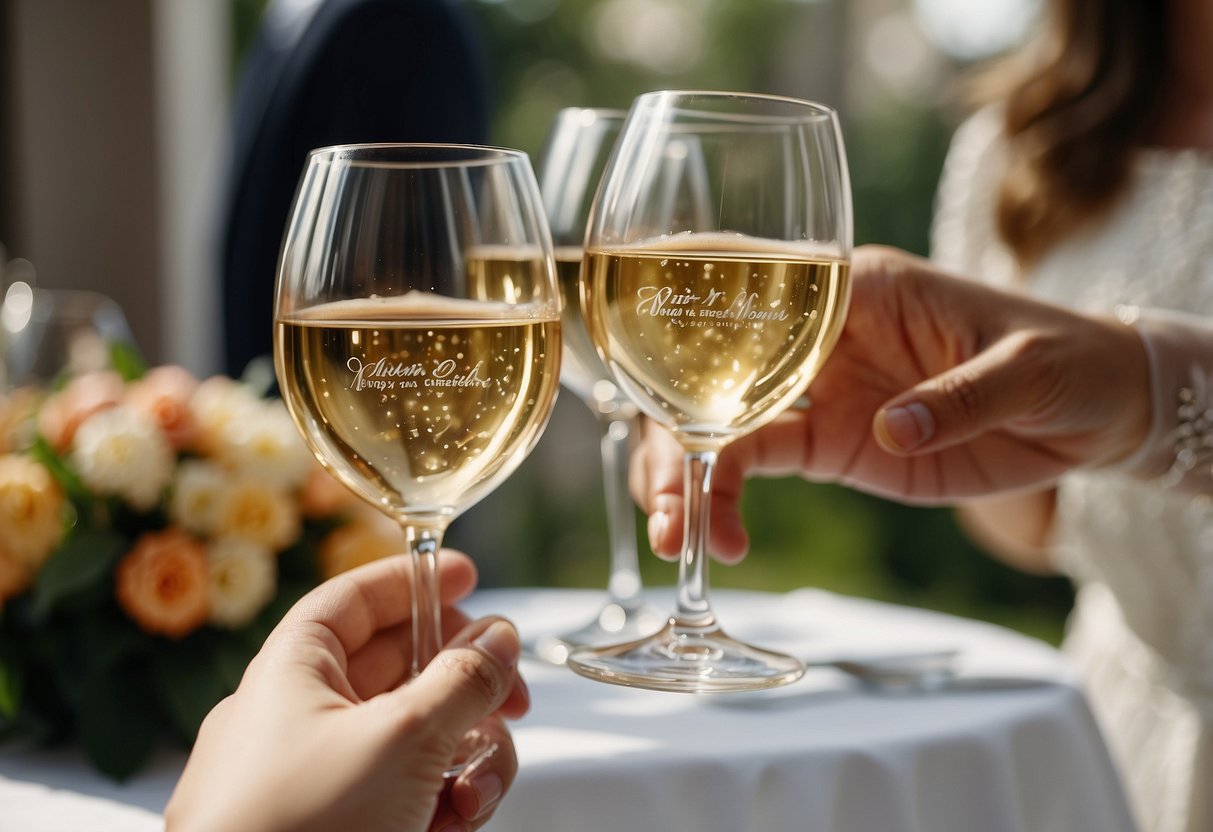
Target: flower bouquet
[{"x": 153, "y": 529}]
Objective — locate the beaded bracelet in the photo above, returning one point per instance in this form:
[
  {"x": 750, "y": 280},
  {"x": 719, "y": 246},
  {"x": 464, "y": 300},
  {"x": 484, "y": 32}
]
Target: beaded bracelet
[{"x": 1192, "y": 437}]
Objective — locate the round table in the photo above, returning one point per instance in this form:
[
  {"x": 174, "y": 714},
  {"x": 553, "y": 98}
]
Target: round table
[{"x": 1012, "y": 747}]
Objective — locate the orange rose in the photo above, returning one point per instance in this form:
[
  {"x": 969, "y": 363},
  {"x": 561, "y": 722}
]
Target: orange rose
[
  {"x": 164, "y": 395},
  {"x": 162, "y": 583},
  {"x": 82, "y": 397},
  {"x": 360, "y": 542}
]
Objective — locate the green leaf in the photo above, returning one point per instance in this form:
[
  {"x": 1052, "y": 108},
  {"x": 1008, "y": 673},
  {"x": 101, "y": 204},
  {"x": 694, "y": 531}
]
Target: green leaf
[
  {"x": 11, "y": 679},
  {"x": 75, "y": 488},
  {"x": 118, "y": 724},
  {"x": 126, "y": 361},
  {"x": 189, "y": 681},
  {"x": 109, "y": 638},
  {"x": 80, "y": 563}
]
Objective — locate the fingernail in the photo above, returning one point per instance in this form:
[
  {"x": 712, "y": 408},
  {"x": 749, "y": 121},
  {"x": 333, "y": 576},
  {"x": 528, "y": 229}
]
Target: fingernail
[
  {"x": 500, "y": 641},
  {"x": 659, "y": 524},
  {"x": 488, "y": 788},
  {"x": 907, "y": 426}
]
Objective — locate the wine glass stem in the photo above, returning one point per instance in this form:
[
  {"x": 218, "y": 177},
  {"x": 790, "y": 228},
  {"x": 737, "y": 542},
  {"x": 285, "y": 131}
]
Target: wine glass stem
[
  {"x": 624, "y": 583},
  {"x": 694, "y": 608},
  {"x": 424, "y": 543}
]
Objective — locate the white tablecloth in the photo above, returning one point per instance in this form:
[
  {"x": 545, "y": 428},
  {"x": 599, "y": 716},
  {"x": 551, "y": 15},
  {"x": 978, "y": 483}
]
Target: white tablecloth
[{"x": 822, "y": 754}]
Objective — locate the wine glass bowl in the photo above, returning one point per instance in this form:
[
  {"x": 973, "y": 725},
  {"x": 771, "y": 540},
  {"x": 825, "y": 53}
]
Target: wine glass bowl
[
  {"x": 417, "y": 332},
  {"x": 715, "y": 285}
]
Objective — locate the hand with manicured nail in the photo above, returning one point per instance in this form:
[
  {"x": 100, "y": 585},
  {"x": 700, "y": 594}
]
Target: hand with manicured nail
[
  {"x": 939, "y": 390},
  {"x": 327, "y": 732}
]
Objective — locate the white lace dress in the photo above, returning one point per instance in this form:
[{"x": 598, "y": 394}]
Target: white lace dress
[{"x": 1140, "y": 553}]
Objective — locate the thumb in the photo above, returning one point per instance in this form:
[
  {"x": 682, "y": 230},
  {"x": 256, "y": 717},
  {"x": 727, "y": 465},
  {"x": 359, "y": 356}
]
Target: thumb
[
  {"x": 987, "y": 391},
  {"x": 468, "y": 680}
]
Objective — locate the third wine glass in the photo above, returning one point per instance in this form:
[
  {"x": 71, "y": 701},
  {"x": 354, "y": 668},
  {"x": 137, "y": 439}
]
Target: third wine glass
[{"x": 574, "y": 155}]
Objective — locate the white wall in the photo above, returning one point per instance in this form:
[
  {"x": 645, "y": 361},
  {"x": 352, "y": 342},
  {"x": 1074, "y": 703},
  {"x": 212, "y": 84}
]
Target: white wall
[{"x": 116, "y": 116}]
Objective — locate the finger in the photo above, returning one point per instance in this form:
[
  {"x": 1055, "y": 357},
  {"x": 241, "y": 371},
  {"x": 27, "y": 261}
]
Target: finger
[
  {"x": 386, "y": 661},
  {"x": 1003, "y": 383},
  {"x": 355, "y": 605},
  {"x": 477, "y": 791},
  {"x": 468, "y": 680},
  {"x": 658, "y": 483}
]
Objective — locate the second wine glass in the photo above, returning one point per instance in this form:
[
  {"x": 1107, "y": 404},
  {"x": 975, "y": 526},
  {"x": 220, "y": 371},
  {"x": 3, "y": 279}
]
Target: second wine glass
[
  {"x": 715, "y": 286},
  {"x": 569, "y": 169}
]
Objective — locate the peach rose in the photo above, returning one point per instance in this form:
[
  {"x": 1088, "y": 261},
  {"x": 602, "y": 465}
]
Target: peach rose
[
  {"x": 17, "y": 412},
  {"x": 163, "y": 583},
  {"x": 65, "y": 411},
  {"x": 362, "y": 541},
  {"x": 323, "y": 495},
  {"x": 164, "y": 395},
  {"x": 31, "y": 511}
]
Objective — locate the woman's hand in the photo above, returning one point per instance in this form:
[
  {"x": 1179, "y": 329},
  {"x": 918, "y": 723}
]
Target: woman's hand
[
  {"x": 939, "y": 390},
  {"x": 326, "y": 731}
]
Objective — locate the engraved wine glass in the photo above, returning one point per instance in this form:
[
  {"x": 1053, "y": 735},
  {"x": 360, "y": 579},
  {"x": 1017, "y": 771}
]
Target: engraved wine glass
[
  {"x": 713, "y": 321},
  {"x": 417, "y": 333},
  {"x": 569, "y": 168}
]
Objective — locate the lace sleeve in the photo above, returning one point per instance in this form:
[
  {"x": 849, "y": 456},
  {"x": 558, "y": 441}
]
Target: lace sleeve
[
  {"x": 1178, "y": 451},
  {"x": 964, "y": 239}
]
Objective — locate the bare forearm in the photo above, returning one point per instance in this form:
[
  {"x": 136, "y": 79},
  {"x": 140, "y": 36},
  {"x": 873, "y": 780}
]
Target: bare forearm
[{"x": 1017, "y": 530}]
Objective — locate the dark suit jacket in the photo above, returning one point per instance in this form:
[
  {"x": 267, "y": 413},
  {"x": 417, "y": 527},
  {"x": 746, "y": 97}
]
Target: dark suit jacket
[{"x": 354, "y": 71}]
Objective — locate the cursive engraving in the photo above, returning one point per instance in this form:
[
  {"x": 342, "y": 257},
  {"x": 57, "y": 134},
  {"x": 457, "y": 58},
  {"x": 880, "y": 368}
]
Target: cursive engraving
[
  {"x": 387, "y": 375},
  {"x": 664, "y": 302},
  {"x": 382, "y": 374}
]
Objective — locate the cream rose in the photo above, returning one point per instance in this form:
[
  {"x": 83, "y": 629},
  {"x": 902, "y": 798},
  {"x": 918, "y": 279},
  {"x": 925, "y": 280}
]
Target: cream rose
[
  {"x": 265, "y": 445},
  {"x": 254, "y": 511},
  {"x": 122, "y": 452},
  {"x": 217, "y": 403},
  {"x": 243, "y": 579},
  {"x": 198, "y": 495}
]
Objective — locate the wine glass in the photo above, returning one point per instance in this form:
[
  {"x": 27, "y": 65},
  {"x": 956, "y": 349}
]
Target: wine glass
[
  {"x": 714, "y": 290},
  {"x": 576, "y": 150},
  {"x": 417, "y": 333}
]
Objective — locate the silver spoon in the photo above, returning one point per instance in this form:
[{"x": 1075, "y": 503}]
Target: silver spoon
[{"x": 922, "y": 672}]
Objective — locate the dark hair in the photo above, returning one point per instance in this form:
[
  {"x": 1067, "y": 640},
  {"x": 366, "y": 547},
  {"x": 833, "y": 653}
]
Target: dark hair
[{"x": 1077, "y": 100}]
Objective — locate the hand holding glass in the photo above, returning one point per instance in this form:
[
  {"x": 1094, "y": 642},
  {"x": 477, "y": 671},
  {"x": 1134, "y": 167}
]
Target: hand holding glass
[
  {"x": 715, "y": 286},
  {"x": 417, "y": 338}
]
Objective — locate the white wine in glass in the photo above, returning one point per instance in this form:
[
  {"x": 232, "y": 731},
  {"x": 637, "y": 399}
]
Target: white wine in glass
[
  {"x": 574, "y": 155},
  {"x": 417, "y": 334},
  {"x": 715, "y": 286}
]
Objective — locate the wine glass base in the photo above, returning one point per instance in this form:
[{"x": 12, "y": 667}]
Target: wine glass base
[
  {"x": 614, "y": 623},
  {"x": 687, "y": 659}
]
